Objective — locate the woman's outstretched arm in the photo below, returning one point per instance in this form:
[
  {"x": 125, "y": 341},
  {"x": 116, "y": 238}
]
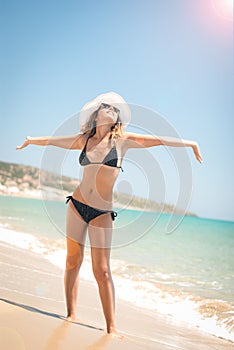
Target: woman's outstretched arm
[
  {"x": 69, "y": 142},
  {"x": 133, "y": 140}
]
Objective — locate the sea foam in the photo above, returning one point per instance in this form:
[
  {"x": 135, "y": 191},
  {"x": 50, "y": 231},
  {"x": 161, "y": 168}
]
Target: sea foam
[{"x": 161, "y": 298}]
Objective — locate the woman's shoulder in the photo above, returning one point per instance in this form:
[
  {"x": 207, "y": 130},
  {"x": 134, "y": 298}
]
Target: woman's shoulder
[
  {"x": 126, "y": 136},
  {"x": 133, "y": 140},
  {"x": 123, "y": 139},
  {"x": 81, "y": 140}
]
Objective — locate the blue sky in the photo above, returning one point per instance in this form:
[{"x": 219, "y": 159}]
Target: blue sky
[{"x": 173, "y": 57}]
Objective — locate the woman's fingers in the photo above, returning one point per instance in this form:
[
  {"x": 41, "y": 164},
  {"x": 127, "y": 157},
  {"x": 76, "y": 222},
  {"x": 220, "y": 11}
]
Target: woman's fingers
[
  {"x": 198, "y": 156},
  {"x": 197, "y": 153},
  {"x": 25, "y": 144},
  {"x": 20, "y": 147}
]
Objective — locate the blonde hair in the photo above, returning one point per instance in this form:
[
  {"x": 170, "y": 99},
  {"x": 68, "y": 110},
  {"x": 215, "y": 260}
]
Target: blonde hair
[{"x": 90, "y": 127}]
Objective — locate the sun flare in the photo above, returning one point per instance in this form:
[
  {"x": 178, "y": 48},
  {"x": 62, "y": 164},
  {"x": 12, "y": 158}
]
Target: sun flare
[{"x": 223, "y": 8}]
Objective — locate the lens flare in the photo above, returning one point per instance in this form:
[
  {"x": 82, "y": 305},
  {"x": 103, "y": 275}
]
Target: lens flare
[{"x": 224, "y": 8}]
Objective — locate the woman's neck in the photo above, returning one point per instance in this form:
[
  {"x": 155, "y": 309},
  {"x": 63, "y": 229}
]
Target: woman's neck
[{"x": 102, "y": 131}]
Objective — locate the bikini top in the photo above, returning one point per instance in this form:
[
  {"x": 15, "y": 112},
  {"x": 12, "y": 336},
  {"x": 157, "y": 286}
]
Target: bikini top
[{"x": 111, "y": 159}]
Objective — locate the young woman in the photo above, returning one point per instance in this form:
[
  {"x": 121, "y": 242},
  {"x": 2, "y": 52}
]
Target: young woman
[{"x": 103, "y": 143}]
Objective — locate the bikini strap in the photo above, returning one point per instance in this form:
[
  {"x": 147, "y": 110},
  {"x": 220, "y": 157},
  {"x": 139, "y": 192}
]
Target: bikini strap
[
  {"x": 84, "y": 149},
  {"x": 68, "y": 199},
  {"x": 113, "y": 215}
]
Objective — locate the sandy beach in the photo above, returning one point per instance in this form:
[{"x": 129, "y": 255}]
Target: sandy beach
[{"x": 33, "y": 309}]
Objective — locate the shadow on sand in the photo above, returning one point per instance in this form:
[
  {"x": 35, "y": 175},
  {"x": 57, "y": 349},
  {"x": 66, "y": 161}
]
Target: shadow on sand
[{"x": 46, "y": 313}]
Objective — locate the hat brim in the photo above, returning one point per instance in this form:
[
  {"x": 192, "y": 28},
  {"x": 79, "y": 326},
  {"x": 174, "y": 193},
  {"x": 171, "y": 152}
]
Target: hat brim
[{"x": 111, "y": 98}]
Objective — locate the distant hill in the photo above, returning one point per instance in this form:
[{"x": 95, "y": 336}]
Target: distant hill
[{"x": 27, "y": 181}]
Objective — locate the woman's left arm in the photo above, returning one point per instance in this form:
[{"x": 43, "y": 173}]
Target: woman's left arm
[{"x": 133, "y": 140}]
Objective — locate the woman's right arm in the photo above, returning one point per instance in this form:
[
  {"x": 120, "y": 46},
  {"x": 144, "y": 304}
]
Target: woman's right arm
[{"x": 69, "y": 142}]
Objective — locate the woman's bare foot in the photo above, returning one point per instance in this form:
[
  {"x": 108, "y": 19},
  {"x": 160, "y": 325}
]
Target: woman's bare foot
[
  {"x": 71, "y": 318},
  {"x": 114, "y": 334}
]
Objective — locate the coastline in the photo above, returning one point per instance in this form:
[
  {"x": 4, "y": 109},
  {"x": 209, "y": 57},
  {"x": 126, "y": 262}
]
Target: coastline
[
  {"x": 54, "y": 195},
  {"x": 33, "y": 309},
  {"x": 25, "y": 181}
]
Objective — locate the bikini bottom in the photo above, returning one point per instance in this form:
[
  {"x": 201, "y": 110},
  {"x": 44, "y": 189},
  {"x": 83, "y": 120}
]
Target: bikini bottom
[{"x": 89, "y": 213}]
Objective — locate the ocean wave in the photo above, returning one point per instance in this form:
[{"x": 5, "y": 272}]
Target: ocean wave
[
  {"x": 212, "y": 316},
  {"x": 152, "y": 292}
]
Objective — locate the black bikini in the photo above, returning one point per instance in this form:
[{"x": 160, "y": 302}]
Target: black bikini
[
  {"x": 89, "y": 213},
  {"x": 111, "y": 159},
  {"x": 86, "y": 212}
]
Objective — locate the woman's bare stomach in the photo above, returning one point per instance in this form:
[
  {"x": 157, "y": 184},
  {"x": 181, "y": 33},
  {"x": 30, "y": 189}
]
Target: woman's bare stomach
[
  {"x": 96, "y": 187},
  {"x": 98, "y": 197},
  {"x": 94, "y": 198}
]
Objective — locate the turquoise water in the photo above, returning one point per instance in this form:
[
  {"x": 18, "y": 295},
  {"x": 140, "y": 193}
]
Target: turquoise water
[
  {"x": 197, "y": 255},
  {"x": 30, "y": 215},
  {"x": 151, "y": 268}
]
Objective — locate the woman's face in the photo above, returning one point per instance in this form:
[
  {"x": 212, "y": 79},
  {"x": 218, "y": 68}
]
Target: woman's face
[{"x": 107, "y": 114}]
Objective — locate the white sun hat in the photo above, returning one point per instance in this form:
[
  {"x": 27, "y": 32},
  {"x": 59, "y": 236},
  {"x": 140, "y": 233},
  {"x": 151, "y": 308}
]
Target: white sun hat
[{"x": 111, "y": 98}]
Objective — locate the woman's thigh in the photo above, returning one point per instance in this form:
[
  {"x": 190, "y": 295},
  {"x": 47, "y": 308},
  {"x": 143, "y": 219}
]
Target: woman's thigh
[
  {"x": 101, "y": 231},
  {"x": 76, "y": 227}
]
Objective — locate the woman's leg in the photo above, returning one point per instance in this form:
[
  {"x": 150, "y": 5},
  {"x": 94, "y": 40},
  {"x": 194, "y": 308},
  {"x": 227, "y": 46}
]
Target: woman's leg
[
  {"x": 75, "y": 231},
  {"x": 102, "y": 273},
  {"x": 100, "y": 234},
  {"x": 74, "y": 259}
]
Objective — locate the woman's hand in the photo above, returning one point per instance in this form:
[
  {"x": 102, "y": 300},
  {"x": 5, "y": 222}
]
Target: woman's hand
[
  {"x": 197, "y": 152},
  {"x": 25, "y": 144}
]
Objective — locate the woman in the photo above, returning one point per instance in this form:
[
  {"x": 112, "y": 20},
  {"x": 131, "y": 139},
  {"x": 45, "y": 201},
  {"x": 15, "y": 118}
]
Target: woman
[{"x": 103, "y": 143}]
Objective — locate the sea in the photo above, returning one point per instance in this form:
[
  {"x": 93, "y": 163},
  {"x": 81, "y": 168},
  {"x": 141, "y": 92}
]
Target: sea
[{"x": 186, "y": 272}]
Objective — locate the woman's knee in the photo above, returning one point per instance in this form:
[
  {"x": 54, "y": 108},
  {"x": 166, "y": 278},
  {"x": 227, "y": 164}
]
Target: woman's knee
[
  {"x": 102, "y": 273},
  {"x": 73, "y": 261},
  {"x": 75, "y": 254}
]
